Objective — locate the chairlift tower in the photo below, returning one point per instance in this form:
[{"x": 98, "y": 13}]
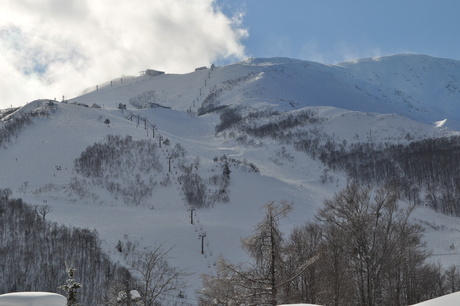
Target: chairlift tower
[{"x": 202, "y": 235}]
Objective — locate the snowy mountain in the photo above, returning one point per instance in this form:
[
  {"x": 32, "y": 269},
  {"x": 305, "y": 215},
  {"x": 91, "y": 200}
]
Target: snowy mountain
[
  {"x": 416, "y": 86},
  {"x": 173, "y": 144}
]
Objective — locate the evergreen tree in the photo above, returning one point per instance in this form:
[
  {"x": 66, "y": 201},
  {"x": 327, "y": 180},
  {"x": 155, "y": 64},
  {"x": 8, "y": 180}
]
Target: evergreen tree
[{"x": 71, "y": 288}]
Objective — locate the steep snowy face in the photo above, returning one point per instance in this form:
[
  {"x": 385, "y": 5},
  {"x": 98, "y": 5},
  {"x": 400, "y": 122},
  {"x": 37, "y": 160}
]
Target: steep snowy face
[
  {"x": 288, "y": 84},
  {"x": 421, "y": 87}
]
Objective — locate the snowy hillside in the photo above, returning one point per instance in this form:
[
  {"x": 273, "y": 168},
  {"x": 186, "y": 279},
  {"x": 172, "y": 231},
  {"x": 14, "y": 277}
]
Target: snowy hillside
[
  {"x": 420, "y": 87},
  {"x": 197, "y": 124}
]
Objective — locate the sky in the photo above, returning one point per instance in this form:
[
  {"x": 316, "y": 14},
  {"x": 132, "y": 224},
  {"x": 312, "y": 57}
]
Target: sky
[{"x": 55, "y": 48}]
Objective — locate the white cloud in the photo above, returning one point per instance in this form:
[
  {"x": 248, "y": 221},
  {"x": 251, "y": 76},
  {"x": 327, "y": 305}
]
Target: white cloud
[
  {"x": 50, "y": 48},
  {"x": 350, "y": 52},
  {"x": 311, "y": 51},
  {"x": 338, "y": 51}
]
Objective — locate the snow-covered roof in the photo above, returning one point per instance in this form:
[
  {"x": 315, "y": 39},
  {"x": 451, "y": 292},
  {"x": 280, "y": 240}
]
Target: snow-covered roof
[
  {"x": 452, "y": 299},
  {"x": 32, "y": 299}
]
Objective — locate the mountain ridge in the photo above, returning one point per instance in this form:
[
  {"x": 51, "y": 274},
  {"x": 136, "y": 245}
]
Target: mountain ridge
[{"x": 427, "y": 93}]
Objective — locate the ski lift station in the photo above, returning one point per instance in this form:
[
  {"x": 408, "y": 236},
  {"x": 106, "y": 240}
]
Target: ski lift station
[{"x": 152, "y": 72}]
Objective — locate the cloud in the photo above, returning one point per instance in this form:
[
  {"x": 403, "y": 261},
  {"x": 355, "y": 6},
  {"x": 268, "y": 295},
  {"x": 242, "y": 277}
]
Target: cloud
[
  {"x": 336, "y": 52},
  {"x": 50, "y": 48},
  {"x": 363, "y": 49},
  {"x": 311, "y": 50}
]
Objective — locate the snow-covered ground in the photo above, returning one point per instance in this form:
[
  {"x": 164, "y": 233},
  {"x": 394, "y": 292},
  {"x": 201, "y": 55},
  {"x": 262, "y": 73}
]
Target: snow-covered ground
[{"x": 39, "y": 163}]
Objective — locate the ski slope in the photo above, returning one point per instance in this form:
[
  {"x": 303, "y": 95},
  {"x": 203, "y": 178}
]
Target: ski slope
[{"x": 358, "y": 101}]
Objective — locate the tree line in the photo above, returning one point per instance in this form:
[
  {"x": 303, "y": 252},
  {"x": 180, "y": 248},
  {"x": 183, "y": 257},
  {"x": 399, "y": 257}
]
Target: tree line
[
  {"x": 425, "y": 169},
  {"x": 36, "y": 252},
  {"x": 360, "y": 249},
  {"x": 14, "y": 125}
]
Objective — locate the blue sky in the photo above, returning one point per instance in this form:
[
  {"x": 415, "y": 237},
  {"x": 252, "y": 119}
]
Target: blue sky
[
  {"x": 331, "y": 31},
  {"x": 55, "y": 48}
]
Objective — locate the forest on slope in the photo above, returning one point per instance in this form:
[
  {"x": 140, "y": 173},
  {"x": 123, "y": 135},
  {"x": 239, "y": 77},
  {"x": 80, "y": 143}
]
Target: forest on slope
[
  {"x": 37, "y": 254},
  {"x": 426, "y": 169},
  {"x": 362, "y": 249}
]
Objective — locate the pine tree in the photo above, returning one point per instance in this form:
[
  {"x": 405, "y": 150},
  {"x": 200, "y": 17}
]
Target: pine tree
[{"x": 71, "y": 287}]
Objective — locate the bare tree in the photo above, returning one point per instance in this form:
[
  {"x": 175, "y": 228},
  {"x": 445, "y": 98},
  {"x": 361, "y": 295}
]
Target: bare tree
[
  {"x": 303, "y": 244},
  {"x": 263, "y": 281},
  {"x": 381, "y": 247},
  {"x": 157, "y": 276},
  {"x": 452, "y": 276},
  {"x": 5, "y": 194},
  {"x": 232, "y": 285},
  {"x": 43, "y": 210},
  {"x": 265, "y": 247}
]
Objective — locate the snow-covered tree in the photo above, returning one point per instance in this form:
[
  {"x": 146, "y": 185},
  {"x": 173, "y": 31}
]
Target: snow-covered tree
[{"x": 71, "y": 287}]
